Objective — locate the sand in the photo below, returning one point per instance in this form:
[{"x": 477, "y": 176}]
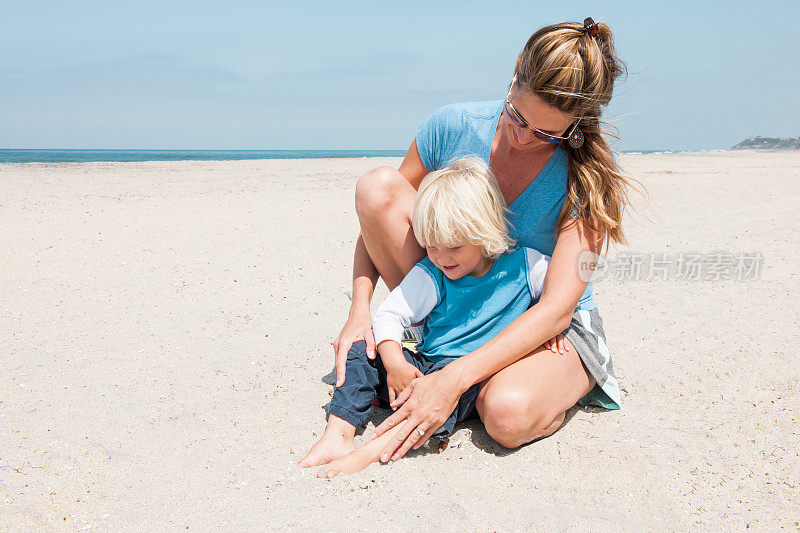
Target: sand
[{"x": 165, "y": 360}]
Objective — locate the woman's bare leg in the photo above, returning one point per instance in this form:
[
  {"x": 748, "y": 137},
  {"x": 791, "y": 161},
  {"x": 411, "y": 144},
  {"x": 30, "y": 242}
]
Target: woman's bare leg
[
  {"x": 529, "y": 398},
  {"x": 384, "y": 199}
]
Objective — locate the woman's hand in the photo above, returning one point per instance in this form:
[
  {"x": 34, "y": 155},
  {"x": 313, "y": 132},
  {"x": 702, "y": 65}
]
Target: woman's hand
[
  {"x": 426, "y": 404},
  {"x": 398, "y": 378},
  {"x": 556, "y": 344},
  {"x": 358, "y": 327}
]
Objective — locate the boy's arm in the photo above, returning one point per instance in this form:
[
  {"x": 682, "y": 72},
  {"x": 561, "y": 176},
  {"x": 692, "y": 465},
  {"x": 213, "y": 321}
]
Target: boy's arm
[
  {"x": 408, "y": 303},
  {"x": 391, "y": 353}
]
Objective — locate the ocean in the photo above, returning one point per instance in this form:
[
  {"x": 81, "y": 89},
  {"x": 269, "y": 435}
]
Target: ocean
[{"x": 86, "y": 156}]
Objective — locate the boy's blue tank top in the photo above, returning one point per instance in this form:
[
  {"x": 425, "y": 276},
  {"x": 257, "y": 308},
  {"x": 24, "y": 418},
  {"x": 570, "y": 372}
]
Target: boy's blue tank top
[
  {"x": 472, "y": 310},
  {"x": 467, "y": 129}
]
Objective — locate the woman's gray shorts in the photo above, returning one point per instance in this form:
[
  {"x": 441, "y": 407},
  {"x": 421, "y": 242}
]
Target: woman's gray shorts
[{"x": 585, "y": 332}]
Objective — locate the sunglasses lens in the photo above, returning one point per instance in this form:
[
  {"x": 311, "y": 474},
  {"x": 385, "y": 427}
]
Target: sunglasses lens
[
  {"x": 512, "y": 115},
  {"x": 520, "y": 123},
  {"x": 546, "y": 138}
]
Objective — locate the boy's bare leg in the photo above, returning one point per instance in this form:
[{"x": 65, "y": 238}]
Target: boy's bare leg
[
  {"x": 336, "y": 442},
  {"x": 360, "y": 458}
]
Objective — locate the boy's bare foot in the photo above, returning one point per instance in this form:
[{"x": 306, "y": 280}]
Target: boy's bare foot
[
  {"x": 360, "y": 458},
  {"x": 336, "y": 442}
]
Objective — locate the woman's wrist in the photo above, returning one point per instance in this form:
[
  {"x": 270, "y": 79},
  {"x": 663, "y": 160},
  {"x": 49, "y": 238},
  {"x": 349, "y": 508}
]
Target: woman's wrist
[
  {"x": 359, "y": 308},
  {"x": 362, "y": 296},
  {"x": 460, "y": 372}
]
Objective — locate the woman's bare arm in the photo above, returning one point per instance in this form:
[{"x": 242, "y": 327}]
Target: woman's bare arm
[
  {"x": 359, "y": 323},
  {"x": 412, "y": 167},
  {"x": 365, "y": 277}
]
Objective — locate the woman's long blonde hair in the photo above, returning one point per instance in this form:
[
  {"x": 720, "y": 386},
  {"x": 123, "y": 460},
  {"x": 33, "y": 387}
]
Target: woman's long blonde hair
[{"x": 574, "y": 72}]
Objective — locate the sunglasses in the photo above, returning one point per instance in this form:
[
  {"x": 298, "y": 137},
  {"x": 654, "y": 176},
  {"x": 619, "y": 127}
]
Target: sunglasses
[{"x": 517, "y": 119}]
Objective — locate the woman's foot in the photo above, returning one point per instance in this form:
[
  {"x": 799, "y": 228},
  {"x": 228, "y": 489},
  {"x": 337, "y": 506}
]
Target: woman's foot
[{"x": 336, "y": 442}]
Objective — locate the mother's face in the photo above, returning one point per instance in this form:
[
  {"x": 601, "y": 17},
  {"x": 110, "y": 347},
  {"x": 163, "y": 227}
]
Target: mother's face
[{"x": 536, "y": 113}]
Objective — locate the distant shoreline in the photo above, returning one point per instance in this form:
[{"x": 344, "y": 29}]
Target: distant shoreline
[
  {"x": 121, "y": 156},
  {"x": 768, "y": 143},
  {"x": 97, "y": 156}
]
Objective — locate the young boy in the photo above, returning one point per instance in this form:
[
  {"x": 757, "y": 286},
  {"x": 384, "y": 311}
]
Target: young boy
[{"x": 473, "y": 283}]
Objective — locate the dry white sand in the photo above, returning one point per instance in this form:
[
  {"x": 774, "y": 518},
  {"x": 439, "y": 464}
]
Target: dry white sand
[{"x": 165, "y": 360}]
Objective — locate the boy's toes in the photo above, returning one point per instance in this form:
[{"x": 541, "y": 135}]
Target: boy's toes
[
  {"x": 311, "y": 459},
  {"x": 324, "y": 452}
]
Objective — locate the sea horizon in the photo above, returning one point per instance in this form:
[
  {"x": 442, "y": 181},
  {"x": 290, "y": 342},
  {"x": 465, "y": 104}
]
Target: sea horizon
[
  {"x": 103, "y": 155},
  {"x": 54, "y": 155}
]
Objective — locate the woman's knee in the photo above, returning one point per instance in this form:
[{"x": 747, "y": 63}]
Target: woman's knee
[
  {"x": 375, "y": 190},
  {"x": 514, "y": 417}
]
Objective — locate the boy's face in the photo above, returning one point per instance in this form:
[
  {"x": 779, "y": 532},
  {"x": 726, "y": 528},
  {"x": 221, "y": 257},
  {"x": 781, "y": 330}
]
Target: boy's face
[{"x": 466, "y": 260}]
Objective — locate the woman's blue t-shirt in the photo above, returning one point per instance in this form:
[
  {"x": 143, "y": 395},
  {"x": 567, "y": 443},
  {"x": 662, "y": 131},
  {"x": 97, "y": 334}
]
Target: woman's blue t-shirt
[{"x": 467, "y": 129}]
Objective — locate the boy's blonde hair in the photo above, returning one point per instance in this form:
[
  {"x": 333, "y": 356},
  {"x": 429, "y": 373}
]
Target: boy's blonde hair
[{"x": 462, "y": 204}]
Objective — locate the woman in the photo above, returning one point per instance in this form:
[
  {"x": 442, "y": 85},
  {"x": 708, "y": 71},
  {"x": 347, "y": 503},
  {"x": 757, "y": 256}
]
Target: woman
[{"x": 567, "y": 195}]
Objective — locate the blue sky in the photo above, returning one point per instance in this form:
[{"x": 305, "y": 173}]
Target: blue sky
[{"x": 361, "y": 75}]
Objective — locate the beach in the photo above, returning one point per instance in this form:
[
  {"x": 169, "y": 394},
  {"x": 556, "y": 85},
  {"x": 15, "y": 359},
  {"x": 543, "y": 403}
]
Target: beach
[{"x": 166, "y": 359}]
